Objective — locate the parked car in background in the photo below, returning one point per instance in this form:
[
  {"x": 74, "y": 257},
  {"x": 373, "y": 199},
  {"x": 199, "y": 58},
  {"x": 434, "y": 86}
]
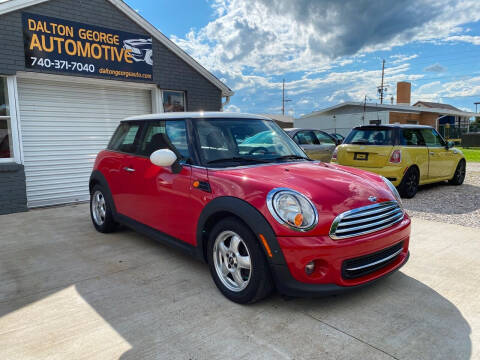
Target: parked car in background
[
  {"x": 407, "y": 155},
  {"x": 338, "y": 137},
  {"x": 260, "y": 213},
  {"x": 316, "y": 143}
]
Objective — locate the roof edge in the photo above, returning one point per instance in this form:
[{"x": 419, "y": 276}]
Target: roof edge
[
  {"x": 396, "y": 108},
  {"x": 14, "y": 5}
]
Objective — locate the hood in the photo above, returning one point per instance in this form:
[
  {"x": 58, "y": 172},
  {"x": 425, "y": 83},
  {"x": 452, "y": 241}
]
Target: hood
[{"x": 333, "y": 189}]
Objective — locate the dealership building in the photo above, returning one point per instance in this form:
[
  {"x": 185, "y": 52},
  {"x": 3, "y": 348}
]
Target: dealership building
[{"x": 70, "y": 70}]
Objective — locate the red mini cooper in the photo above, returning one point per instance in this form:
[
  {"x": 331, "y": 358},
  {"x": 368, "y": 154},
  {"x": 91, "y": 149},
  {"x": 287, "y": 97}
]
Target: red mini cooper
[{"x": 237, "y": 192}]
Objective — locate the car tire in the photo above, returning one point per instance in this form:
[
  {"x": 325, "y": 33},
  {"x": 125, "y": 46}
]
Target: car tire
[
  {"x": 459, "y": 175},
  {"x": 409, "y": 184},
  {"x": 101, "y": 211},
  {"x": 232, "y": 248}
]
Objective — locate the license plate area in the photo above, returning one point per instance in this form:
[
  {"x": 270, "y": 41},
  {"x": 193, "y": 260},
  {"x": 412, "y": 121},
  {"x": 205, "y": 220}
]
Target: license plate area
[{"x": 360, "y": 156}]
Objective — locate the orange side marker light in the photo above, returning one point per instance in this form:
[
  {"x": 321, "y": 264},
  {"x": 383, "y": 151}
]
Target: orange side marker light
[
  {"x": 265, "y": 244},
  {"x": 298, "y": 220},
  {"x": 196, "y": 184}
]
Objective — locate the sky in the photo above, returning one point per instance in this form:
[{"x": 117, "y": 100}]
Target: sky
[{"x": 328, "y": 51}]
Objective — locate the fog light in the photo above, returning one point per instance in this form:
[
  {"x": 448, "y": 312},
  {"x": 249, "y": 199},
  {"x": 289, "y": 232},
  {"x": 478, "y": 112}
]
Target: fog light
[{"x": 310, "y": 268}]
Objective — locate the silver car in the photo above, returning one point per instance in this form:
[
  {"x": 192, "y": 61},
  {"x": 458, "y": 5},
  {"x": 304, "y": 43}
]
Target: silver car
[{"x": 317, "y": 144}]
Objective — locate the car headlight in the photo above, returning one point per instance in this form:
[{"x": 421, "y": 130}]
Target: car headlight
[
  {"x": 292, "y": 209},
  {"x": 394, "y": 190}
]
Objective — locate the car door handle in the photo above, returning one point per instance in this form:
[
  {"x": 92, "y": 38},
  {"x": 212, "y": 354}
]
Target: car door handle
[{"x": 127, "y": 169}]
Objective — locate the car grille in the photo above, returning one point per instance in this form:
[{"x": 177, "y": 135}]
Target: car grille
[
  {"x": 361, "y": 266},
  {"x": 366, "y": 219}
]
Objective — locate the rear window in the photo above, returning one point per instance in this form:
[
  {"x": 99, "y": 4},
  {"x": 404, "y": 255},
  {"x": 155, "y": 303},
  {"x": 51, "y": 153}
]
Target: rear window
[{"x": 370, "y": 136}]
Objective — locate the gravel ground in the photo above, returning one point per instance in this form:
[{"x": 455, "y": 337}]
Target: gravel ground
[{"x": 449, "y": 204}]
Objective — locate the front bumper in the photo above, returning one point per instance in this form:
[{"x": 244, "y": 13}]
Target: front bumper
[
  {"x": 329, "y": 256},
  {"x": 287, "y": 285}
]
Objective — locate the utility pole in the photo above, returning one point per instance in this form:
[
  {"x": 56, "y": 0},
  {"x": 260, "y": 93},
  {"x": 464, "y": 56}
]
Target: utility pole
[
  {"x": 381, "y": 89},
  {"x": 364, "y": 110},
  {"x": 283, "y": 98}
]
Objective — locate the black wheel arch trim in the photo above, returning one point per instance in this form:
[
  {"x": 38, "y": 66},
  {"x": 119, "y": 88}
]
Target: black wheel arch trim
[
  {"x": 246, "y": 213},
  {"x": 98, "y": 178}
]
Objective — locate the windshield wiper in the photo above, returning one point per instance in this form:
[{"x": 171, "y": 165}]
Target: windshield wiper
[
  {"x": 291, "y": 157},
  {"x": 237, "y": 159}
]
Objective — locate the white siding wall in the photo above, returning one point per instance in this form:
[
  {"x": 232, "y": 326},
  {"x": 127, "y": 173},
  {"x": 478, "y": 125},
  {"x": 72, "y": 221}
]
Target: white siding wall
[{"x": 343, "y": 123}]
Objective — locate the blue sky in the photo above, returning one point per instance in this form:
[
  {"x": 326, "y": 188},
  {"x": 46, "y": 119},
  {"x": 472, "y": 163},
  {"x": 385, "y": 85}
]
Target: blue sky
[{"x": 328, "y": 51}]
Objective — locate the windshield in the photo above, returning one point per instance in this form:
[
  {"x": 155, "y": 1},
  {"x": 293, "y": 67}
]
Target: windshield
[
  {"x": 236, "y": 142},
  {"x": 369, "y": 136}
]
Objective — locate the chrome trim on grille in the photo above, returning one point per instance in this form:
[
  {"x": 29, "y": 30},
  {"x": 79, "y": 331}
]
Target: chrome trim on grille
[
  {"x": 366, "y": 220},
  {"x": 376, "y": 262}
]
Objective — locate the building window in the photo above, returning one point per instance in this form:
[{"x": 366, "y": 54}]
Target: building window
[
  {"x": 6, "y": 140},
  {"x": 174, "y": 101}
]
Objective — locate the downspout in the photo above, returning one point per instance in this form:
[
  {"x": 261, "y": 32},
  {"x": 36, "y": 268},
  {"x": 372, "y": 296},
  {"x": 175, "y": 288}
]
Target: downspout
[{"x": 227, "y": 101}]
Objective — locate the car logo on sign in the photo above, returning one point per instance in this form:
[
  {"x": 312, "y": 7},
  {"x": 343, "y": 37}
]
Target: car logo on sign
[{"x": 372, "y": 199}]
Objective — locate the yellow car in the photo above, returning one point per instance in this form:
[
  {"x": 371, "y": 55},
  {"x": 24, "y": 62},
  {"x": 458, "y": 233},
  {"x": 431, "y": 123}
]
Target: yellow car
[{"x": 407, "y": 155}]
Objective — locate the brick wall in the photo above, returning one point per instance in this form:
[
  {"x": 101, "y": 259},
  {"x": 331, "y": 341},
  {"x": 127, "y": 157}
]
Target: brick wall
[
  {"x": 403, "y": 118},
  {"x": 12, "y": 189},
  {"x": 170, "y": 72},
  {"x": 423, "y": 118}
]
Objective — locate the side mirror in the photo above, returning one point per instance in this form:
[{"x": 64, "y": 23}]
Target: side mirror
[
  {"x": 450, "y": 144},
  {"x": 163, "y": 157}
]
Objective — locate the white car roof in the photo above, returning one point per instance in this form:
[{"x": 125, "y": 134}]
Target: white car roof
[{"x": 196, "y": 115}]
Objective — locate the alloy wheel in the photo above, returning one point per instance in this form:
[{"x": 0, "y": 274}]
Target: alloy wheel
[
  {"x": 460, "y": 173},
  {"x": 99, "y": 208},
  {"x": 412, "y": 182},
  {"x": 232, "y": 261}
]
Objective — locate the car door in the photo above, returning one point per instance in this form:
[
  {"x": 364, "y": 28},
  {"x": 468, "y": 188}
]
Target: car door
[
  {"x": 441, "y": 159},
  {"x": 309, "y": 143},
  {"x": 327, "y": 145},
  {"x": 119, "y": 171},
  {"x": 415, "y": 150},
  {"x": 161, "y": 196}
]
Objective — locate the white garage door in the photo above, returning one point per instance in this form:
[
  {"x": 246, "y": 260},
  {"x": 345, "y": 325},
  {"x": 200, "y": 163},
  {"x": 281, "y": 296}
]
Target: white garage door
[{"x": 64, "y": 126}]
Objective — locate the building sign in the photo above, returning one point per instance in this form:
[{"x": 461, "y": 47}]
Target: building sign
[{"x": 65, "y": 46}]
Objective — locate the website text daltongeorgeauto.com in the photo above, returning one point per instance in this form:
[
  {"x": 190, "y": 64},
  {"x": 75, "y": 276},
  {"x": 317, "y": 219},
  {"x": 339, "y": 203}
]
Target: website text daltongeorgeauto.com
[{"x": 125, "y": 74}]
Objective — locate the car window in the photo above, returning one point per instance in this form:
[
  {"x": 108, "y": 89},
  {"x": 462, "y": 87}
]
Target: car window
[
  {"x": 432, "y": 138},
  {"x": 370, "y": 136},
  {"x": 324, "y": 138},
  {"x": 235, "y": 142},
  {"x": 306, "y": 138},
  {"x": 125, "y": 138},
  {"x": 170, "y": 134},
  {"x": 411, "y": 137}
]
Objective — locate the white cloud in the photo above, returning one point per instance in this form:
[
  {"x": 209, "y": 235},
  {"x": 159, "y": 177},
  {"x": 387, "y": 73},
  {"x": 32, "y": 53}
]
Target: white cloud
[
  {"x": 232, "y": 108},
  {"x": 437, "y": 91},
  {"x": 436, "y": 68},
  {"x": 251, "y": 44},
  {"x": 475, "y": 40},
  {"x": 278, "y": 36},
  {"x": 400, "y": 58}
]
